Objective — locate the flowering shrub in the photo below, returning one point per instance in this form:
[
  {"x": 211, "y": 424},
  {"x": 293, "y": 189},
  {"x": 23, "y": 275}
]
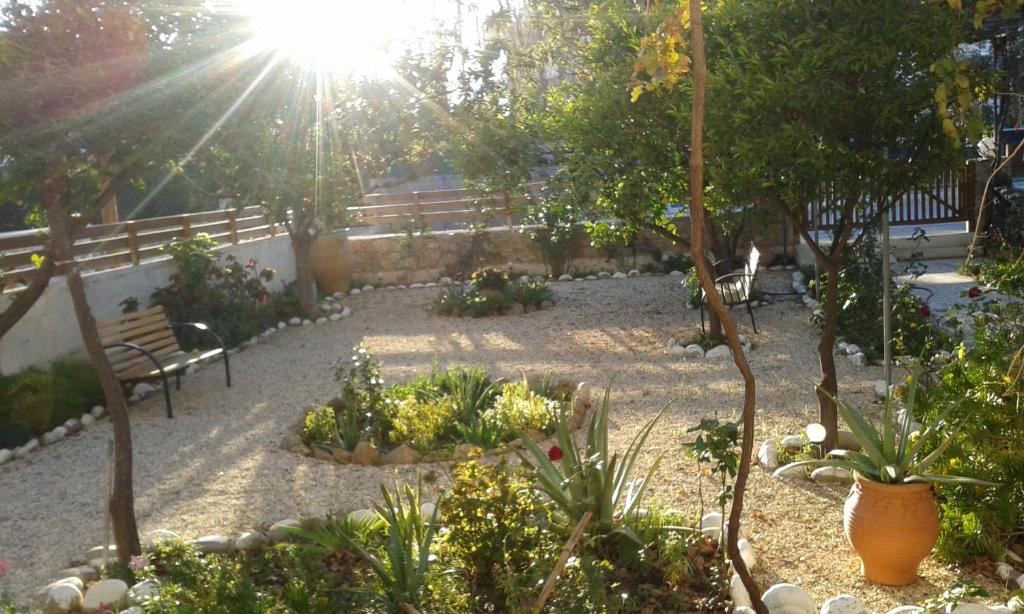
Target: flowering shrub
[
  {"x": 231, "y": 298},
  {"x": 980, "y": 393},
  {"x": 860, "y": 300}
]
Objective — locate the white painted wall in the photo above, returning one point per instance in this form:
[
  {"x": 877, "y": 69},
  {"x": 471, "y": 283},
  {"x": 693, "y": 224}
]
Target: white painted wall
[{"x": 49, "y": 330}]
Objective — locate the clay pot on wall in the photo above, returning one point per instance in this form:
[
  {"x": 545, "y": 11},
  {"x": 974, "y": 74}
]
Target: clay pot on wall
[
  {"x": 892, "y": 527},
  {"x": 331, "y": 262}
]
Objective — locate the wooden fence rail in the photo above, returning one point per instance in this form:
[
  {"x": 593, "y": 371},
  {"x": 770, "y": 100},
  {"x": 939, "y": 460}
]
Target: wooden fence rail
[
  {"x": 106, "y": 246},
  {"x": 439, "y": 207}
]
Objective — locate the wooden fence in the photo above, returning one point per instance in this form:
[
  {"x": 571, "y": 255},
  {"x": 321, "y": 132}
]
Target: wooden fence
[
  {"x": 106, "y": 246},
  {"x": 439, "y": 207},
  {"x": 950, "y": 197}
]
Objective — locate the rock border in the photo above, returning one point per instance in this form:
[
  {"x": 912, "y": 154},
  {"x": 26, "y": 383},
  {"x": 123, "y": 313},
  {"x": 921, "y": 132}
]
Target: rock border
[
  {"x": 718, "y": 352},
  {"x": 367, "y": 454},
  {"x": 330, "y": 305}
]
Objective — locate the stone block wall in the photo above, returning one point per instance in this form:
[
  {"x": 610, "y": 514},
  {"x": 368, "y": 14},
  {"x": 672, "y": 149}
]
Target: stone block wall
[{"x": 401, "y": 259}]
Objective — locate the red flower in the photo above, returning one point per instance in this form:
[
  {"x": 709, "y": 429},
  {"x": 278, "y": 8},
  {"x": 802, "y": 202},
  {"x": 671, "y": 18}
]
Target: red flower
[
  {"x": 554, "y": 453},
  {"x": 925, "y": 311},
  {"x": 976, "y": 271},
  {"x": 974, "y": 292}
]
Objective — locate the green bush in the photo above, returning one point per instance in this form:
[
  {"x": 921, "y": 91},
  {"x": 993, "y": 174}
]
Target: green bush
[
  {"x": 321, "y": 427},
  {"x": 860, "y": 316},
  {"x": 231, "y": 299},
  {"x": 489, "y": 278},
  {"x": 424, "y": 425},
  {"x": 981, "y": 395},
  {"x": 37, "y": 400},
  {"x": 1004, "y": 271},
  {"x": 497, "y": 534},
  {"x": 519, "y": 409}
]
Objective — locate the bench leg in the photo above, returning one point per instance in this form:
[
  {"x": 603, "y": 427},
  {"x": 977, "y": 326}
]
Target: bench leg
[
  {"x": 702, "y": 327},
  {"x": 167, "y": 393},
  {"x": 750, "y": 310},
  {"x": 227, "y": 368}
]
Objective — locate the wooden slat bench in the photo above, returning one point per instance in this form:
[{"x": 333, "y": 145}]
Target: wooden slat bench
[
  {"x": 142, "y": 346},
  {"x": 736, "y": 288}
]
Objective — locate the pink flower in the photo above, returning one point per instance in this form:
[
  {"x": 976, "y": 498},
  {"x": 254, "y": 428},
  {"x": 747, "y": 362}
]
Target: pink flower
[
  {"x": 138, "y": 562},
  {"x": 974, "y": 292},
  {"x": 554, "y": 453}
]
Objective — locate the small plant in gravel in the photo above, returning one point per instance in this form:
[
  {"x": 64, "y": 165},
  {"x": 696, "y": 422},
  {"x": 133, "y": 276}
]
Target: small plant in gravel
[
  {"x": 489, "y": 293},
  {"x": 716, "y": 451}
]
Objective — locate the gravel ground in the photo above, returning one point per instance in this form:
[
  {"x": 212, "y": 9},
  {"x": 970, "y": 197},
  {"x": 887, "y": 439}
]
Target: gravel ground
[{"x": 216, "y": 467}]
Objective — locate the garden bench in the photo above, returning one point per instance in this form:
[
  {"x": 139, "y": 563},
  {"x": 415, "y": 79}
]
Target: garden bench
[
  {"x": 736, "y": 288},
  {"x": 142, "y": 346}
]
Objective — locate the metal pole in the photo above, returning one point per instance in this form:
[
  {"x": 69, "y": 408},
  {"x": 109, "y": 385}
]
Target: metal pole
[{"x": 886, "y": 303}]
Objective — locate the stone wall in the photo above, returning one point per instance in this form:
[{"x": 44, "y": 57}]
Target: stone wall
[{"x": 401, "y": 259}]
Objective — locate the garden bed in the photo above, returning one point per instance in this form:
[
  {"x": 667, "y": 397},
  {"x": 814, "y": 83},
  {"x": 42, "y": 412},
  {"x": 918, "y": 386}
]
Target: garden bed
[
  {"x": 491, "y": 292},
  {"x": 454, "y": 413}
]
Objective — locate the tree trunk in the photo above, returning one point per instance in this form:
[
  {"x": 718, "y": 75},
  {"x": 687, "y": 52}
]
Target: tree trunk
[
  {"x": 302, "y": 245},
  {"x": 122, "y": 499},
  {"x": 718, "y": 306},
  {"x": 828, "y": 389},
  {"x": 27, "y": 297}
]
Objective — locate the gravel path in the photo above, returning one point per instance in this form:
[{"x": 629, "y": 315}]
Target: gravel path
[{"x": 216, "y": 467}]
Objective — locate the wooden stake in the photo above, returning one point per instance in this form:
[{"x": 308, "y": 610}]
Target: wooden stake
[{"x": 563, "y": 558}]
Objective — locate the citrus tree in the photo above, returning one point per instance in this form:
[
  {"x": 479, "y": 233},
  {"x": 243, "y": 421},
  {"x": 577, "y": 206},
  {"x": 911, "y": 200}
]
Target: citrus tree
[{"x": 830, "y": 102}]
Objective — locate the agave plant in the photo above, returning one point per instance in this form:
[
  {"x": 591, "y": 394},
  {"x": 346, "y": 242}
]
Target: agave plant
[
  {"x": 588, "y": 478},
  {"x": 400, "y": 564},
  {"x": 892, "y": 452}
]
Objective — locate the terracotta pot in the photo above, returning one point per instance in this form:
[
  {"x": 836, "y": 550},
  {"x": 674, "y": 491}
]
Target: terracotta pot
[
  {"x": 331, "y": 261},
  {"x": 892, "y": 527}
]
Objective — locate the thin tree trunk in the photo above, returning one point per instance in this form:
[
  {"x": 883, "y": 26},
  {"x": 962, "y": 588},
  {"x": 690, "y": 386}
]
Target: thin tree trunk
[
  {"x": 828, "y": 388},
  {"x": 301, "y": 248},
  {"x": 27, "y": 297},
  {"x": 122, "y": 499},
  {"x": 718, "y": 306}
]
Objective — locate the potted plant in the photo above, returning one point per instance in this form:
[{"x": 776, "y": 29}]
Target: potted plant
[{"x": 890, "y": 516}]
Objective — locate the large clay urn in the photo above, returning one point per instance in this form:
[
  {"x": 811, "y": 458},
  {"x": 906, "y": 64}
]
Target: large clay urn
[
  {"x": 892, "y": 527},
  {"x": 331, "y": 259}
]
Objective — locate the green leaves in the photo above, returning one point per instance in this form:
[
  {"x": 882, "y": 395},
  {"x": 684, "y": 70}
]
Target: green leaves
[
  {"x": 588, "y": 478},
  {"x": 891, "y": 453}
]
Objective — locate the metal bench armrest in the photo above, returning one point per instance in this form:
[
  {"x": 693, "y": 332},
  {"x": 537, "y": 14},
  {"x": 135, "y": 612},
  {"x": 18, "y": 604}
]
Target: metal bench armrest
[
  {"x": 202, "y": 328},
  {"x": 159, "y": 368},
  {"x": 220, "y": 342},
  {"x": 732, "y": 277}
]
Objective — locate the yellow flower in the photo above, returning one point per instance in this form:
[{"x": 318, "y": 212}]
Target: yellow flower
[{"x": 954, "y": 463}]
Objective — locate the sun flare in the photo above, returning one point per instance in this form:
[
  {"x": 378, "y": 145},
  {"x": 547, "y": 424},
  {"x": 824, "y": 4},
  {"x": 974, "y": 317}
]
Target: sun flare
[{"x": 331, "y": 35}]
